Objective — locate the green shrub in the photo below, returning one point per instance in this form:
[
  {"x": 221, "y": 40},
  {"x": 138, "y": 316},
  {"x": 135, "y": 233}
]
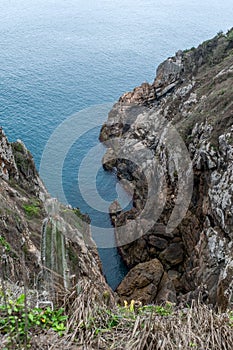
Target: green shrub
[
  {"x": 4, "y": 244},
  {"x": 32, "y": 209},
  {"x": 231, "y": 318},
  {"x": 18, "y": 147},
  {"x": 230, "y": 35},
  {"x": 16, "y": 321}
]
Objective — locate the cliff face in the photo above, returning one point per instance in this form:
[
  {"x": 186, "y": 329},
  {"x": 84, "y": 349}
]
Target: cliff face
[
  {"x": 192, "y": 93},
  {"x": 43, "y": 244}
]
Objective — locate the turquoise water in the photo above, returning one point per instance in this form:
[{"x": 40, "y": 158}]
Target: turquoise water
[{"x": 58, "y": 57}]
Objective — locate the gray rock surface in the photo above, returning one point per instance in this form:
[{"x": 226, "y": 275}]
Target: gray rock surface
[
  {"x": 43, "y": 244},
  {"x": 192, "y": 92}
]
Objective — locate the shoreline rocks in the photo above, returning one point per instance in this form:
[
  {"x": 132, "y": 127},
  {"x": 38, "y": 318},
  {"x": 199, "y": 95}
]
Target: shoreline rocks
[{"x": 193, "y": 94}]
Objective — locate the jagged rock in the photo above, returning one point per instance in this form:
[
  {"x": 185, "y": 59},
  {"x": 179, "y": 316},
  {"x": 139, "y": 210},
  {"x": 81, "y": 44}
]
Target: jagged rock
[
  {"x": 43, "y": 243},
  {"x": 114, "y": 210},
  {"x": 175, "y": 279},
  {"x": 8, "y": 166},
  {"x": 109, "y": 160},
  {"x": 139, "y": 94},
  {"x": 166, "y": 290},
  {"x": 193, "y": 92},
  {"x": 159, "y": 243},
  {"x": 173, "y": 255}
]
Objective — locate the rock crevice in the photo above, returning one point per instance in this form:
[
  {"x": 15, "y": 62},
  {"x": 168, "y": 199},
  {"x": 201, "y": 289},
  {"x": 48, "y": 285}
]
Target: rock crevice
[
  {"x": 43, "y": 244},
  {"x": 192, "y": 93}
]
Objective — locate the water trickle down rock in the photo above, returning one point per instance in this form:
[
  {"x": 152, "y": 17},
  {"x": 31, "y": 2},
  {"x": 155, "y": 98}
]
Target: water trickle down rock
[{"x": 43, "y": 235}]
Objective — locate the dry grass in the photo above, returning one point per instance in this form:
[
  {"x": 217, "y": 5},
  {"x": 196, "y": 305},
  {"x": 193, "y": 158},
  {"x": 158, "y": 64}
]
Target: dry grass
[{"x": 94, "y": 325}]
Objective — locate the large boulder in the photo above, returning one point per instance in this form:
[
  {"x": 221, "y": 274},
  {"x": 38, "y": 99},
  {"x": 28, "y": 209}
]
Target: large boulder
[{"x": 148, "y": 283}]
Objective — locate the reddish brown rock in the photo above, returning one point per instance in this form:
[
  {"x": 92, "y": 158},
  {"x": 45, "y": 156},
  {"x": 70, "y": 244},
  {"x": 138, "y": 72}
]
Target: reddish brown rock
[
  {"x": 191, "y": 90},
  {"x": 147, "y": 283}
]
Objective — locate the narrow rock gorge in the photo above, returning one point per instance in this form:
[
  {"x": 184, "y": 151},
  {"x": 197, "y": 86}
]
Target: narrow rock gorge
[
  {"x": 173, "y": 254},
  {"x": 192, "y": 94}
]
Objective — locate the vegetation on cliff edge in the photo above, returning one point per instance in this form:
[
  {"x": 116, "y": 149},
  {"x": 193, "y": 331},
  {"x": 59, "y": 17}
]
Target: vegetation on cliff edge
[{"x": 80, "y": 320}]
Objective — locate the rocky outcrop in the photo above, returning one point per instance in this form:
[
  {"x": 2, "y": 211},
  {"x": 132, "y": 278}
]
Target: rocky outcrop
[
  {"x": 7, "y": 162},
  {"x": 43, "y": 244},
  {"x": 148, "y": 283},
  {"x": 185, "y": 113}
]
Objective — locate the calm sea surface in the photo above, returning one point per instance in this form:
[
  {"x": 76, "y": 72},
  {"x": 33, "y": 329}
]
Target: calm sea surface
[{"x": 58, "y": 57}]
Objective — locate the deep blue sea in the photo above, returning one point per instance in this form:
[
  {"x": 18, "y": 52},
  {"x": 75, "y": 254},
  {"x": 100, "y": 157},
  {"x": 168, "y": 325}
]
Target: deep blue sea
[{"x": 58, "y": 57}]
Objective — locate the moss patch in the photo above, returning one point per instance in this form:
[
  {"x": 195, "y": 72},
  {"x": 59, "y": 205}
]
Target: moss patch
[{"x": 32, "y": 209}]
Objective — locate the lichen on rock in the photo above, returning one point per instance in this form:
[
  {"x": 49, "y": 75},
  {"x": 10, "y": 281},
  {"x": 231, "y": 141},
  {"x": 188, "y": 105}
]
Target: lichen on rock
[
  {"x": 44, "y": 244},
  {"x": 193, "y": 92}
]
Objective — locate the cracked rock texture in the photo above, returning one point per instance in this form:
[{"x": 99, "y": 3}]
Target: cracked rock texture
[
  {"x": 192, "y": 93},
  {"x": 43, "y": 243}
]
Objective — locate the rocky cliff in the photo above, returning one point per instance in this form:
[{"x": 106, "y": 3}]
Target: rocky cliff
[
  {"x": 192, "y": 96},
  {"x": 43, "y": 244}
]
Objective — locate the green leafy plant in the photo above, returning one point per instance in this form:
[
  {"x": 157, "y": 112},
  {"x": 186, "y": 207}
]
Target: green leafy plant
[
  {"x": 32, "y": 209},
  {"x": 165, "y": 310},
  {"x": 113, "y": 319},
  {"x": 192, "y": 345},
  {"x": 18, "y": 147},
  {"x": 14, "y": 319},
  {"x": 5, "y": 244}
]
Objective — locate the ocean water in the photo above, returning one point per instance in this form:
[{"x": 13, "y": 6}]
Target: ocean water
[{"x": 58, "y": 57}]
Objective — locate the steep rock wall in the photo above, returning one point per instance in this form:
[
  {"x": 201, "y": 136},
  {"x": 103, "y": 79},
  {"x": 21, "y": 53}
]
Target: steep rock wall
[
  {"x": 192, "y": 92},
  {"x": 43, "y": 244}
]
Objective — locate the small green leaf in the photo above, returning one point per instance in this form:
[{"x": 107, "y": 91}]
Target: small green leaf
[{"x": 21, "y": 299}]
